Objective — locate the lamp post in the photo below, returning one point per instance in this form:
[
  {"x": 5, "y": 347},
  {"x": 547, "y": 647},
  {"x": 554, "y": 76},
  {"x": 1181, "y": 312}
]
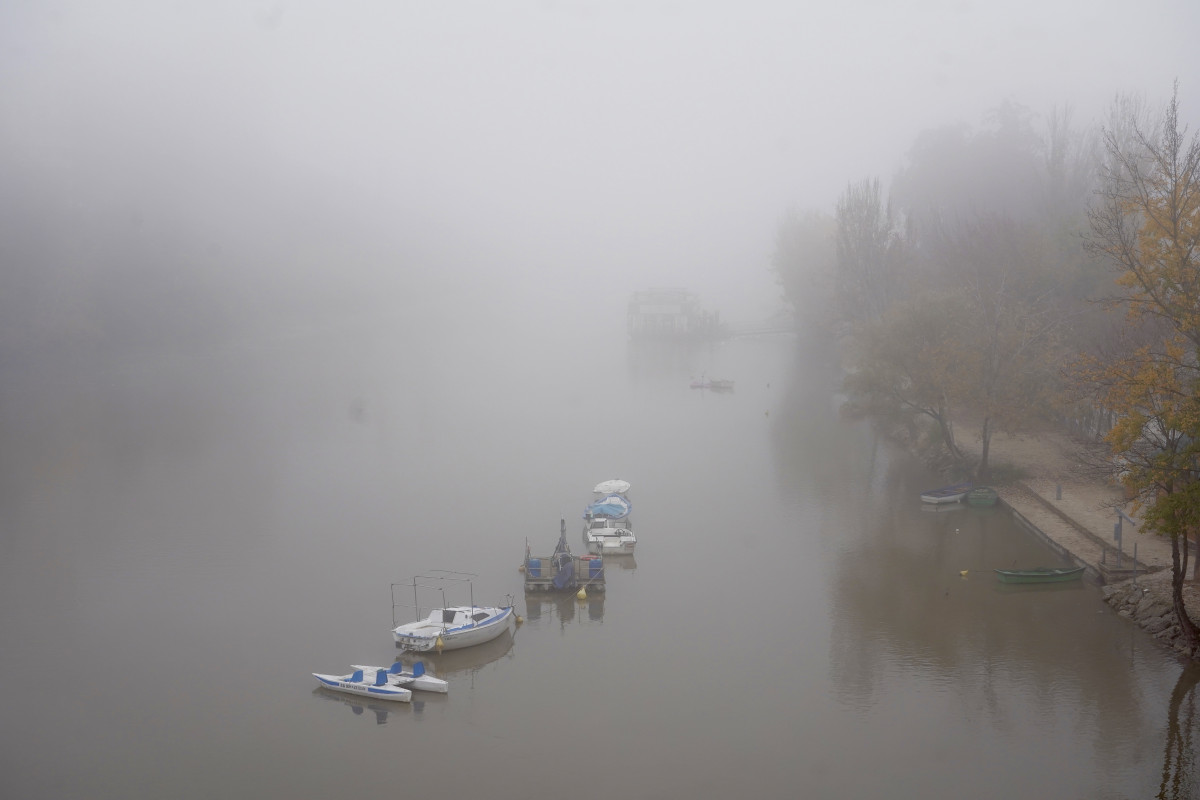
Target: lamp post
[{"x": 1117, "y": 534}]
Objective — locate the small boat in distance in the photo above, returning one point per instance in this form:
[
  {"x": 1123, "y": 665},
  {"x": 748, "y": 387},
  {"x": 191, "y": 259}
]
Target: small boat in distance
[
  {"x": 1040, "y": 574},
  {"x": 946, "y": 494},
  {"x": 714, "y": 384},
  {"x": 450, "y": 627}
]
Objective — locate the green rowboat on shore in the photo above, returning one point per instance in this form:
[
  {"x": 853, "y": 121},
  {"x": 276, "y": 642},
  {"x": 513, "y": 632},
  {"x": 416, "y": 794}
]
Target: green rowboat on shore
[
  {"x": 982, "y": 496},
  {"x": 1040, "y": 574}
]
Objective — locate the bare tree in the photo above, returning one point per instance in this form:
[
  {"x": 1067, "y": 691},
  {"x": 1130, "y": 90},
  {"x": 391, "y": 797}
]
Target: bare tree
[
  {"x": 870, "y": 254},
  {"x": 804, "y": 262},
  {"x": 1007, "y": 354}
]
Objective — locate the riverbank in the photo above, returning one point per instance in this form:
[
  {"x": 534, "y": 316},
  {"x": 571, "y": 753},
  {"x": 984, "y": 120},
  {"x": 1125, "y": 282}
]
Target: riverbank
[{"x": 1075, "y": 512}]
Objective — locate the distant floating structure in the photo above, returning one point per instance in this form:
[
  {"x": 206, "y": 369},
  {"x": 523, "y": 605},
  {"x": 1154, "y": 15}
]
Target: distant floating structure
[{"x": 671, "y": 314}]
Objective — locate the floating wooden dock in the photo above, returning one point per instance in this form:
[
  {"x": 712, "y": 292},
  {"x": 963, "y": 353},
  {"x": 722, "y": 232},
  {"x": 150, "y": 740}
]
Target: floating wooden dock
[{"x": 563, "y": 571}]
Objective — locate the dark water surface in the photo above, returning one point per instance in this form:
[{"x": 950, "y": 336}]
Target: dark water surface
[{"x": 185, "y": 540}]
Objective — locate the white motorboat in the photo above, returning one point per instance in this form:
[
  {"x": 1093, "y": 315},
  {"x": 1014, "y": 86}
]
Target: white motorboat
[
  {"x": 455, "y": 627},
  {"x": 608, "y": 537},
  {"x": 414, "y": 677},
  {"x": 378, "y": 685},
  {"x": 450, "y": 627}
]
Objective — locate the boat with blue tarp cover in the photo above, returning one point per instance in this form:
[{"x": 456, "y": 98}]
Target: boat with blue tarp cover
[
  {"x": 611, "y": 506},
  {"x": 606, "y": 526}
]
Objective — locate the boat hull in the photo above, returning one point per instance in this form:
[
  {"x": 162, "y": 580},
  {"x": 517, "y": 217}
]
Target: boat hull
[
  {"x": 982, "y": 497},
  {"x": 938, "y": 500},
  {"x": 610, "y": 546},
  {"x": 340, "y": 683},
  {"x": 407, "y": 638},
  {"x": 946, "y": 494},
  {"x": 425, "y": 683},
  {"x": 406, "y": 679},
  {"x": 1040, "y": 575}
]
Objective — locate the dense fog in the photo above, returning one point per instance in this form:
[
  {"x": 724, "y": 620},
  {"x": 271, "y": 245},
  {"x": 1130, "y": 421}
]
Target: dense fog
[
  {"x": 185, "y": 173},
  {"x": 299, "y": 300}
]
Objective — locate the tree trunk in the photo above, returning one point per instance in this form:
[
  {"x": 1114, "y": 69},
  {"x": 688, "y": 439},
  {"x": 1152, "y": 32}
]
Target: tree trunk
[
  {"x": 948, "y": 437},
  {"x": 1196, "y": 563},
  {"x": 984, "y": 471},
  {"x": 1178, "y": 567}
]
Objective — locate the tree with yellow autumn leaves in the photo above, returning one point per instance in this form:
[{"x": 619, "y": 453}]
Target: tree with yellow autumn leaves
[{"x": 1147, "y": 224}]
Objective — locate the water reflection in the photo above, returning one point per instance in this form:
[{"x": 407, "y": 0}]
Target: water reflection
[
  {"x": 379, "y": 710},
  {"x": 666, "y": 361},
  {"x": 807, "y": 421},
  {"x": 1179, "y": 752},
  {"x": 566, "y": 608},
  {"x": 469, "y": 660},
  {"x": 620, "y": 562},
  {"x": 917, "y": 602},
  {"x": 1040, "y": 588},
  {"x": 943, "y": 508},
  {"x": 949, "y": 686}
]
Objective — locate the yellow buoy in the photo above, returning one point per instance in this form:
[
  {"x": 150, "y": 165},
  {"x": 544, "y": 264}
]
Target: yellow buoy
[
  {"x": 439, "y": 644},
  {"x": 521, "y": 568},
  {"x": 520, "y": 619},
  {"x": 582, "y": 593},
  {"x": 963, "y": 573}
]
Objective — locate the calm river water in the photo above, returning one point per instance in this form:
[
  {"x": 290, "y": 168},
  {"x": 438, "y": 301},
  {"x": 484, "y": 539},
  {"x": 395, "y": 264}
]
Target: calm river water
[{"x": 185, "y": 540}]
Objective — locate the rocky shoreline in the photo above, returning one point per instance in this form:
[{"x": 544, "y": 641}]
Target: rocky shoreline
[{"x": 1146, "y": 602}]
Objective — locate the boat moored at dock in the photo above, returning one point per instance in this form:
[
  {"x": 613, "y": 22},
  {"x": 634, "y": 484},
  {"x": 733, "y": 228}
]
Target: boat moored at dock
[
  {"x": 606, "y": 526},
  {"x": 946, "y": 494},
  {"x": 1040, "y": 574},
  {"x": 562, "y": 571},
  {"x": 450, "y": 627},
  {"x": 982, "y": 497}
]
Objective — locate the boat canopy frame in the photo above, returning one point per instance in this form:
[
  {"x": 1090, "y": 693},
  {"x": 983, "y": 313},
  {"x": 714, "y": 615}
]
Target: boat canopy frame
[{"x": 436, "y": 582}]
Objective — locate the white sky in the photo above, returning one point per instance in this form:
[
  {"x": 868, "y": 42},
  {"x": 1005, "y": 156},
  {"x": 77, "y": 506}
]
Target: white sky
[{"x": 562, "y": 144}]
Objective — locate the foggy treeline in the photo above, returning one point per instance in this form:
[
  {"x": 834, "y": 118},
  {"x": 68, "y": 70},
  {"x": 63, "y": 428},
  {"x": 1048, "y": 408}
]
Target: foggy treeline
[{"x": 966, "y": 287}]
